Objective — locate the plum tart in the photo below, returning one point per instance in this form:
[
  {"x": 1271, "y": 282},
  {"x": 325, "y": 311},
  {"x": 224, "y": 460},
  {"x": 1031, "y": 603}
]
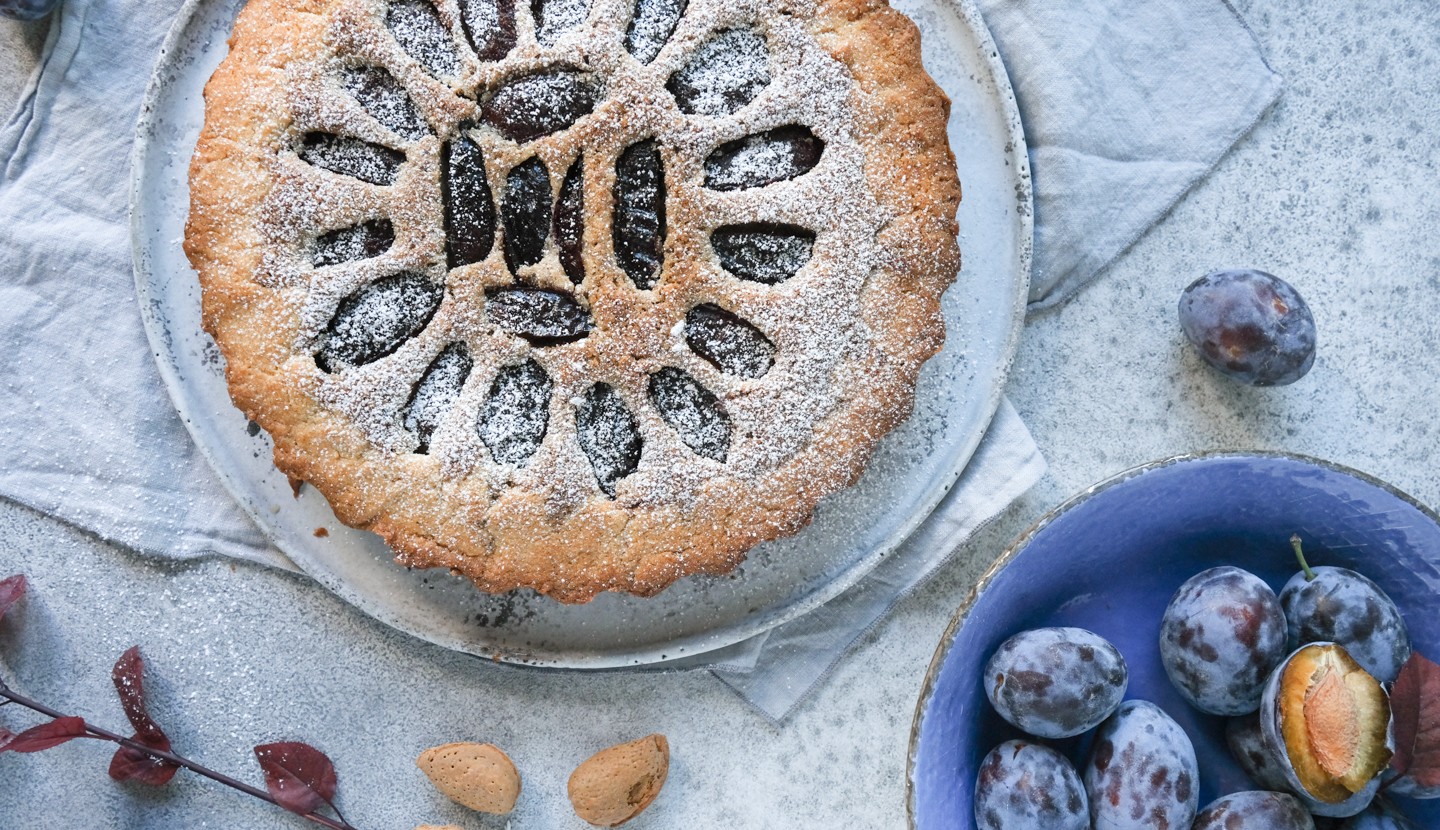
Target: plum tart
[{"x": 574, "y": 295}]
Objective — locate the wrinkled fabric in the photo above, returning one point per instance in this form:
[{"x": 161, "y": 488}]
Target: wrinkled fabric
[
  {"x": 87, "y": 432},
  {"x": 1127, "y": 104},
  {"x": 799, "y": 655},
  {"x": 1122, "y": 121}
]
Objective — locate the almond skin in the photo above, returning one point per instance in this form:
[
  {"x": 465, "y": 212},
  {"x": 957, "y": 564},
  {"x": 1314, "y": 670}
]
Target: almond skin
[
  {"x": 614, "y": 785},
  {"x": 478, "y": 776}
]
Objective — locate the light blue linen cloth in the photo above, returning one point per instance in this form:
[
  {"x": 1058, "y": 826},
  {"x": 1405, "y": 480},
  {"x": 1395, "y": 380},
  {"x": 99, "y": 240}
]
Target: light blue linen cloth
[{"x": 1127, "y": 103}]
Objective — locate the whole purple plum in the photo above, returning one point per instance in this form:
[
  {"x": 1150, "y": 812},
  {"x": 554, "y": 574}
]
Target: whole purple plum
[
  {"x": 1408, "y": 787},
  {"x": 1026, "y": 786},
  {"x": 1254, "y": 810},
  {"x": 1056, "y": 682},
  {"x": 1142, "y": 772},
  {"x": 1380, "y": 815},
  {"x": 1338, "y": 605},
  {"x": 1252, "y": 326},
  {"x": 1221, "y": 636},
  {"x": 1247, "y": 746}
]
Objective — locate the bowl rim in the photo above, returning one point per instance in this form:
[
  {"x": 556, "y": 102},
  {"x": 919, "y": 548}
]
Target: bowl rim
[{"x": 967, "y": 605}]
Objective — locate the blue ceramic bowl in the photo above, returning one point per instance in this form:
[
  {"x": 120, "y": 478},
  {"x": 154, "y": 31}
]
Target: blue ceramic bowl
[{"x": 1111, "y": 558}]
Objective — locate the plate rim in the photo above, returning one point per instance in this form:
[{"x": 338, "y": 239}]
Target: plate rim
[
  {"x": 967, "y": 605},
  {"x": 1016, "y": 158}
]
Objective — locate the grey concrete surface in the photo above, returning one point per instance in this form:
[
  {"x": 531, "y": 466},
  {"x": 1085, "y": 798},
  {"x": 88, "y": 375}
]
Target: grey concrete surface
[
  {"x": 1335, "y": 191},
  {"x": 20, "y": 44}
]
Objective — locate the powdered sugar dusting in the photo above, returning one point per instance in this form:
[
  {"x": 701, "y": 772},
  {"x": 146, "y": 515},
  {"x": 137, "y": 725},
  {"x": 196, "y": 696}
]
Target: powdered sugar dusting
[
  {"x": 609, "y": 435},
  {"x": 513, "y": 419},
  {"x": 725, "y": 74},
  {"x": 554, "y": 18},
  {"x": 540, "y": 104},
  {"x": 652, "y": 23},
  {"x": 383, "y": 97},
  {"x": 763, "y": 253},
  {"x": 633, "y": 407},
  {"x": 436, "y": 393},
  {"x": 763, "y": 158},
  {"x": 692, "y": 411},
  {"x": 733, "y": 345},
  {"x": 490, "y": 26},
  {"x": 420, "y": 33},
  {"x": 377, "y": 320},
  {"x": 348, "y": 156},
  {"x": 362, "y": 241}
]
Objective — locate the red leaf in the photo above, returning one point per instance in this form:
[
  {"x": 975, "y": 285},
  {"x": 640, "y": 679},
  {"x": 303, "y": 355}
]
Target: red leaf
[
  {"x": 300, "y": 776},
  {"x": 131, "y": 764},
  {"x": 1415, "y": 702},
  {"x": 12, "y": 588},
  {"x": 127, "y": 678},
  {"x": 46, "y": 735}
]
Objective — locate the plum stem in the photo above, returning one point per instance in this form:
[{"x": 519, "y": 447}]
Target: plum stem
[{"x": 1300, "y": 555}]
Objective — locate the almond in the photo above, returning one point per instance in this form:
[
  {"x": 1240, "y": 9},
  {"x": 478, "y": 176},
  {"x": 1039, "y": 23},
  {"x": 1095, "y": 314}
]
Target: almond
[
  {"x": 614, "y": 785},
  {"x": 478, "y": 776}
]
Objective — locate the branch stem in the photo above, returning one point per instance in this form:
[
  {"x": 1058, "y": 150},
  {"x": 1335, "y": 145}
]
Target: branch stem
[{"x": 11, "y": 696}]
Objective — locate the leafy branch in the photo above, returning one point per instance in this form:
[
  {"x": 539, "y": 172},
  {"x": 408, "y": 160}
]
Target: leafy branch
[{"x": 298, "y": 777}]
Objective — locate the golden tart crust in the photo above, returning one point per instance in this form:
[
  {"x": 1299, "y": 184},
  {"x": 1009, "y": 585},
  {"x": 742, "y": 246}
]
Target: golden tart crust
[{"x": 848, "y": 332}]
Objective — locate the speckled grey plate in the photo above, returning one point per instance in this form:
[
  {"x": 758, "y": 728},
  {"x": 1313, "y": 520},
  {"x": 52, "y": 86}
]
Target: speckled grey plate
[{"x": 852, "y": 531}]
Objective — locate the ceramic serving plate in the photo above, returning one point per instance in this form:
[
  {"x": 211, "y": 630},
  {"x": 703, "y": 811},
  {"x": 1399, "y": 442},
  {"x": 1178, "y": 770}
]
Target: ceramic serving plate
[
  {"x": 913, "y": 468},
  {"x": 1111, "y": 558}
]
